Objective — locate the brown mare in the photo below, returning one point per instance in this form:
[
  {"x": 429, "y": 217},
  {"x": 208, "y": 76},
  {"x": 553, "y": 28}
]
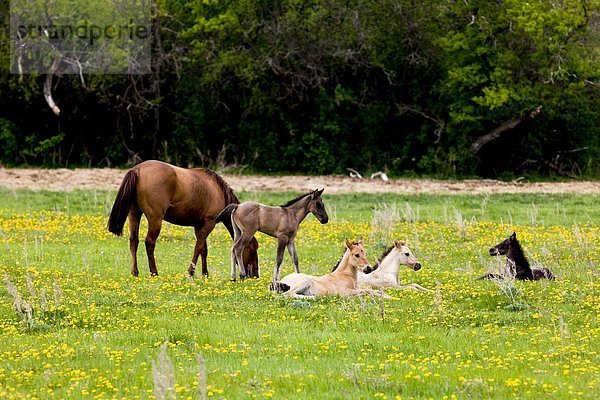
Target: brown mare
[
  {"x": 280, "y": 222},
  {"x": 187, "y": 197}
]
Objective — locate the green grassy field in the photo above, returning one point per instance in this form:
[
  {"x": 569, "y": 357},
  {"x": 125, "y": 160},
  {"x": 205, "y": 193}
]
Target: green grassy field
[{"x": 93, "y": 331}]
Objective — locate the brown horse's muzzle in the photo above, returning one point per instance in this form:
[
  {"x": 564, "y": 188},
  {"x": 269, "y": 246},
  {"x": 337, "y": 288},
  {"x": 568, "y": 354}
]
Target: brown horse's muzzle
[{"x": 494, "y": 252}]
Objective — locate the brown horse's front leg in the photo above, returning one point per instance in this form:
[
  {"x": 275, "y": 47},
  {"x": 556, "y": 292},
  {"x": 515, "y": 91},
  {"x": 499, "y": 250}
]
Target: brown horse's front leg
[
  {"x": 200, "y": 249},
  {"x": 192, "y": 267}
]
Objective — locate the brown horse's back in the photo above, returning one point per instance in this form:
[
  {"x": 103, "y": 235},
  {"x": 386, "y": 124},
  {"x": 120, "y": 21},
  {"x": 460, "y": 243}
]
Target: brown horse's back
[{"x": 180, "y": 196}]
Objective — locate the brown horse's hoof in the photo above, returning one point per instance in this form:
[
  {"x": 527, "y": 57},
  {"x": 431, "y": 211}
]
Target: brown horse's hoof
[{"x": 154, "y": 274}]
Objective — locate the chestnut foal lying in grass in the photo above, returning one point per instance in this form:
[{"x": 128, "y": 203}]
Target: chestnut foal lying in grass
[{"x": 343, "y": 281}]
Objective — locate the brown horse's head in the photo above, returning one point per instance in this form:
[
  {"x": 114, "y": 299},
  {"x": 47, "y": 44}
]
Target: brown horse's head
[
  {"x": 250, "y": 256},
  {"x": 317, "y": 208}
]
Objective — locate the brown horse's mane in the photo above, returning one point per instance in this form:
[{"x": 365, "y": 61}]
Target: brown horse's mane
[
  {"x": 289, "y": 203},
  {"x": 228, "y": 194}
]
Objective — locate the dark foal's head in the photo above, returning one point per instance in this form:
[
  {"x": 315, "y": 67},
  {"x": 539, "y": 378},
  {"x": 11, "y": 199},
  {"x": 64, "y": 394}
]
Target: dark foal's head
[
  {"x": 502, "y": 248},
  {"x": 316, "y": 206}
]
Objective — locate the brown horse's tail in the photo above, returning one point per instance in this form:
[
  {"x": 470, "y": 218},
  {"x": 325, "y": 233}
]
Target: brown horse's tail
[
  {"x": 225, "y": 217},
  {"x": 122, "y": 204}
]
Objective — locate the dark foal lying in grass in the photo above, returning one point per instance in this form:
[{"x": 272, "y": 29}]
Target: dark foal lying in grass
[{"x": 516, "y": 262}]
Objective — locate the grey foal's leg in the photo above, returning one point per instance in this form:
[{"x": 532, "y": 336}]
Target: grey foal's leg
[{"x": 292, "y": 250}]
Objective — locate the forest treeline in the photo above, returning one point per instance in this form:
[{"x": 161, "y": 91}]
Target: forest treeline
[{"x": 444, "y": 88}]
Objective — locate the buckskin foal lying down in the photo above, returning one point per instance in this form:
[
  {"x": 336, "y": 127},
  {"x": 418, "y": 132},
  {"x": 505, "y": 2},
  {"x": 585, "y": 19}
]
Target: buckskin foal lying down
[{"x": 343, "y": 281}]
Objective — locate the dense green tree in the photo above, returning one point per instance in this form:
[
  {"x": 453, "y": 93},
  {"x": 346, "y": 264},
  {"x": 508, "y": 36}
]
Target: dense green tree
[{"x": 455, "y": 87}]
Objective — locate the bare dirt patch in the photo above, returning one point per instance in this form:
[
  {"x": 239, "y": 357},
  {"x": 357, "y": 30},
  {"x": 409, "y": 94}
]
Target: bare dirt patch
[{"x": 106, "y": 178}]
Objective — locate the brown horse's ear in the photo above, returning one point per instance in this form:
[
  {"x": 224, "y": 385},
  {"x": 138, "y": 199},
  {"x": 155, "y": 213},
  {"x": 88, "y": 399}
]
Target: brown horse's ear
[
  {"x": 349, "y": 244},
  {"x": 513, "y": 236},
  {"x": 317, "y": 193}
]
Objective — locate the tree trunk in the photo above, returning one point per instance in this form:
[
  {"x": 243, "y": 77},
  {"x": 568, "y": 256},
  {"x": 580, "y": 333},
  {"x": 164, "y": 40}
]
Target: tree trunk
[
  {"x": 499, "y": 131},
  {"x": 48, "y": 87}
]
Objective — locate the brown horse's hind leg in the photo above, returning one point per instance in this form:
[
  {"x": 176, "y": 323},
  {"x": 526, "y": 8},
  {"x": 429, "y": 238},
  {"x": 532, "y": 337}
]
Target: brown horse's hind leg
[
  {"x": 201, "y": 249},
  {"x": 153, "y": 232},
  {"x": 134, "y": 240}
]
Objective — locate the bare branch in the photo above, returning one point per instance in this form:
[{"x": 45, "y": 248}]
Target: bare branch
[
  {"x": 48, "y": 86},
  {"x": 438, "y": 121},
  {"x": 502, "y": 129}
]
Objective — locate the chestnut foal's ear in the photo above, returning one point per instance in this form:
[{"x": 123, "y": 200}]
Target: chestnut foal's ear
[
  {"x": 349, "y": 244},
  {"x": 360, "y": 241}
]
